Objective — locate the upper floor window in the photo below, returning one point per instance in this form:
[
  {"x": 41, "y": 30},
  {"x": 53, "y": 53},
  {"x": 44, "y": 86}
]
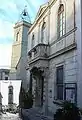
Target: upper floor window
[
  {"x": 61, "y": 21},
  {"x": 17, "y": 36},
  {"x": 43, "y": 32},
  {"x": 32, "y": 45}
]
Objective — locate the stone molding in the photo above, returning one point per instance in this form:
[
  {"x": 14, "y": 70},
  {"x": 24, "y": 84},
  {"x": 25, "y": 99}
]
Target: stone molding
[{"x": 65, "y": 35}]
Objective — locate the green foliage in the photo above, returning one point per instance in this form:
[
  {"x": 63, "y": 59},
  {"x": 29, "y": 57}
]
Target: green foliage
[
  {"x": 25, "y": 99},
  {"x": 28, "y": 100},
  {"x": 69, "y": 111}
]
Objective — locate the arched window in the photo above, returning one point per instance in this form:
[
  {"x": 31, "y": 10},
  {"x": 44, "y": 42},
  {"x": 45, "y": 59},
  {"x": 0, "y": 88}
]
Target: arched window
[
  {"x": 61, "y": 21},
  {"x": 17, "y": 36},
  {"x": 43, "y": 32},
  {"x": 32, "y": 45}
]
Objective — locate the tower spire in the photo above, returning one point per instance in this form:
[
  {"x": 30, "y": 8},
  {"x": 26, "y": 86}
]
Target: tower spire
[{"x": 24, "y": 16}]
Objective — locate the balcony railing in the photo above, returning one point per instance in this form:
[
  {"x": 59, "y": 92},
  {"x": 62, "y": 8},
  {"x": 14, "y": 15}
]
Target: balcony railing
[{"x": 39, "y": 51}]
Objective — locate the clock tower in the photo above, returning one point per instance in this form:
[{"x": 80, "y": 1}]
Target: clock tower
[{"x": 19, "y": 47}]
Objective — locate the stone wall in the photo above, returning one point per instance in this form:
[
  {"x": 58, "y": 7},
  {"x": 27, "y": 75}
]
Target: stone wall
[{"x": 69, "y": 60}]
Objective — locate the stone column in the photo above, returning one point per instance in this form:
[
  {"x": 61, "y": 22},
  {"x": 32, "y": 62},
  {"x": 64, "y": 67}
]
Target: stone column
[{"x": 45, "y": 75}]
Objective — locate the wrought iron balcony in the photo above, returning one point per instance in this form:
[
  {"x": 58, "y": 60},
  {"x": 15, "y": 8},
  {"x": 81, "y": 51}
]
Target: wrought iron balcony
[{"x": 40, "y": 51}]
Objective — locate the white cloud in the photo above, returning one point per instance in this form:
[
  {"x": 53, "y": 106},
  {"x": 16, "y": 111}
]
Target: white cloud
[
  {"x": 10, "y": 11},
  {"x": 6, "y": 29},
  {"x": 5, "y": 55}
]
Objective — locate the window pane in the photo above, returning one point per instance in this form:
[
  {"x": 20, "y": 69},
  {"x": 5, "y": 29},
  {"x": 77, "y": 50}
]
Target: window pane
[
  {"x": 61, "y": 28},
  {"x": 63, "y": 25},
  {"x": 43, "y": 34},
  {"x": 60, "y": 33},
  {"x": 60, "y": 75},
  {"x": 63, "y": 31},
  {"x": 60, "y": 92},
  {"x": 33, "y": 41},
  {"x": 60, "y": 23},
  {"x": 17, "y": 37},
  {"x": 61, "y": 16}
]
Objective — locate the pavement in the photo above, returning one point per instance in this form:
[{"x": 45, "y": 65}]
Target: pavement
[
  {"x": 34, "y": 114},
  {"x": 9, "y": 116}
]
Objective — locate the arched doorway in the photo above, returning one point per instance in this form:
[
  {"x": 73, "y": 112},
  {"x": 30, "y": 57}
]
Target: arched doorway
[{"x": 37, "y": 85}]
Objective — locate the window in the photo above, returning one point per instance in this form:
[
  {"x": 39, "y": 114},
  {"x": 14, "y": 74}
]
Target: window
[
  {"x": 10, "y": 91},
  {"x": 59, "y": 80},
  {"x": 6, "y": 78},
  {"x": 32, "y": 41},
  {"x": 17, "y": 36},
  {"x": 43, "y": 32},
  {"x": 6, "y": 73},
  {"x": 61, "y": 21}
]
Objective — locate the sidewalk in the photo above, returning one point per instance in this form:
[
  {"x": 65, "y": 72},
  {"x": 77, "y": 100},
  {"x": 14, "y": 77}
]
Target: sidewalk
[{"x": 34, "y": 114}]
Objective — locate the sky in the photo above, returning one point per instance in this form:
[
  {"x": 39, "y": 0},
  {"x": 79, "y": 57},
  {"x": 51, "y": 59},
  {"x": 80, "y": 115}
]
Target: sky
[
  {"x": 4, "y": 91},
  {"x": 10, "y": 12}
]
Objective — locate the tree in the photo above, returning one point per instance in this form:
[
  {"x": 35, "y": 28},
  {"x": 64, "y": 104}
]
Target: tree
[
  {"x": 69, "y": 111},
  {"x": 25, "y": 98}
]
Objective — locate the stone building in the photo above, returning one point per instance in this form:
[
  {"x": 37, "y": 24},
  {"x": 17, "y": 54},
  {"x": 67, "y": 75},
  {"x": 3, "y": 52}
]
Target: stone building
[
  {"x": 0, "y": 102},
  {"x": 19, "y": 48},
  {"x": 54, "y": 61},
  {"x": 10, "y": 97},
  {"x": 4, "y": 74}
]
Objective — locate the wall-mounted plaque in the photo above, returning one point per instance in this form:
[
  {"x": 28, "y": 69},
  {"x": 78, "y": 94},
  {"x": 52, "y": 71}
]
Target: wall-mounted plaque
[{"x": 71, "y": 92}]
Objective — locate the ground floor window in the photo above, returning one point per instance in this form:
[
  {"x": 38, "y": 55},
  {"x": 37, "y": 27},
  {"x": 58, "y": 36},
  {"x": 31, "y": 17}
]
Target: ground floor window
[
  {"x": 59, "y": 81},
  {"x": 65, "y": 91}
]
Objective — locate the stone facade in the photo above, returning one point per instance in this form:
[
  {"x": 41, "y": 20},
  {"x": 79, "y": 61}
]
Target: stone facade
[
  {"x": 51, "y": 55},
  {"x": 19, "y": 52},
  {"x": 4, "y": 74},
  {"x": 19, "y": 49},
  {"x": 0, "y": 102}
]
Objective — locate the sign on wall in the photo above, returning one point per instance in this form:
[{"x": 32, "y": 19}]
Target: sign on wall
[{"x": 71, "y": 92}]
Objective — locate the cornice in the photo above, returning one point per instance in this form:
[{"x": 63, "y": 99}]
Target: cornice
[
  {"x": 65, "y": 35},
  {"x": 37, "y": 59},
  {"x": 62, "y": 51},
  {"x": 22, "y": 23}
]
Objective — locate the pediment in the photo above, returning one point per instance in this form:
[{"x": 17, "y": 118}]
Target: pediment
[{"x": 41, "y": 9}]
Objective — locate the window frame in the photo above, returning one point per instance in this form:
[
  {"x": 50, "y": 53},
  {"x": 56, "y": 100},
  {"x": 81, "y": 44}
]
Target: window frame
[
  {"x": 33, "y": 40},
  {"x": 61, "y": 18},
  {"x": 43, "y": 32},
  {"x": 17, "y": 36},
  {"x": 60, "y": 84}
]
